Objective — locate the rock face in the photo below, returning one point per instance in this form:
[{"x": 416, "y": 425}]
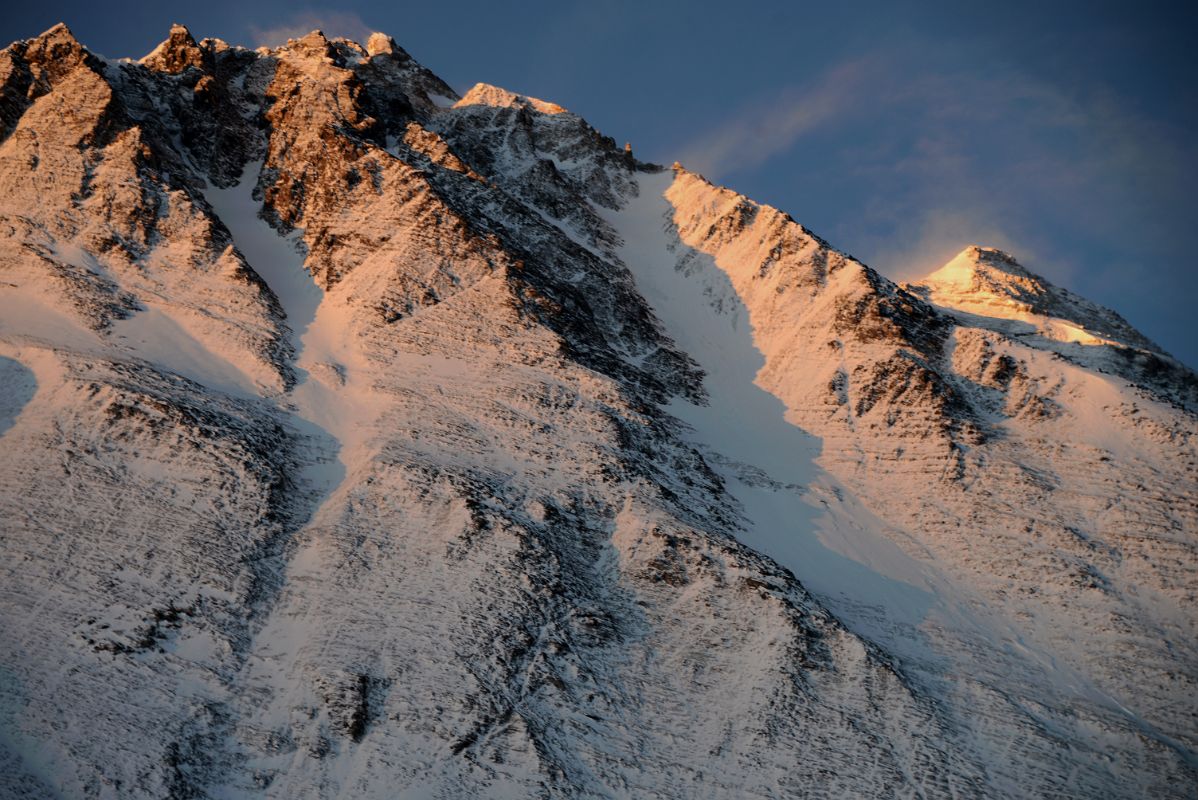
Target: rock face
[{"x": 364, "y": 440}]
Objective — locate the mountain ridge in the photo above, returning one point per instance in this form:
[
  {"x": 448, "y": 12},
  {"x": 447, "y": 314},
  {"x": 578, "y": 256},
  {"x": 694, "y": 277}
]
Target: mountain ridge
[{"x": 403, "y": 445}]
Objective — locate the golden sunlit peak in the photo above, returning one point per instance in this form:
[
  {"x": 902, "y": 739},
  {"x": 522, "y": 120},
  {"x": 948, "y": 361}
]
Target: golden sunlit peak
[
  {"x": 380, "y": 44},
  {"x": 484, "y": 94},
  {"x": 58, "y": 32},
  {"x": 57, "y": 28}
]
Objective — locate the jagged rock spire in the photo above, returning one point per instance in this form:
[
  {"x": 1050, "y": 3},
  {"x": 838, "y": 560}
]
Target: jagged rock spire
[
  {"x": 33, "y": 67},
  {"x": 178, "y": 53},
  {"x": 59, "y": 32},
  {"x": 56, "y": 50}
]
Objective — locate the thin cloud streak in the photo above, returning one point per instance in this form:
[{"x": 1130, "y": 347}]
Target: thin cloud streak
[
  {"x": 757, "y": 134},
  {"x": 944, "y": 157}
]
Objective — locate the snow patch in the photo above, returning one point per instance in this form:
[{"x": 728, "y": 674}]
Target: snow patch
[
  {"x": 159, "y": 337},
  {"x": 26, "y": 315}
]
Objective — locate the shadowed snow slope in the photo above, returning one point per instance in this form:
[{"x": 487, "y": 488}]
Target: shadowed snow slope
[
  {"x": 17, "y": 387},
  {"x": 361, "y": 441}
]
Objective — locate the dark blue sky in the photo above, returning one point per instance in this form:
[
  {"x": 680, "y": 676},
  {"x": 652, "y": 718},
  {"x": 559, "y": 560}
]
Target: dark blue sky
[{"x": 1063, "y": 132}]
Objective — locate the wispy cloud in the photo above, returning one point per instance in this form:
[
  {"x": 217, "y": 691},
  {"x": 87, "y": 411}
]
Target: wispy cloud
[
  {"x": 333, "y": 23},
  {"x": 1010, "y": 161},
  {"x": 920, "y": 159},
  {"x": 760, "y": 132}
]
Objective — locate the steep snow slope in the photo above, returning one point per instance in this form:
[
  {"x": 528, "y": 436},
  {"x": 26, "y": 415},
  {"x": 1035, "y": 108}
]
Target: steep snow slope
[
  {"x": 741, "y": 428},
  {"x": 897, "y": 584},
  {"x": 364, "y": 440}
]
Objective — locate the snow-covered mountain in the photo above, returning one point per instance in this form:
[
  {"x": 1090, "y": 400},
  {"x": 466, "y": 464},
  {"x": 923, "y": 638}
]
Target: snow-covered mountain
[{"x": 364, "y": 440}]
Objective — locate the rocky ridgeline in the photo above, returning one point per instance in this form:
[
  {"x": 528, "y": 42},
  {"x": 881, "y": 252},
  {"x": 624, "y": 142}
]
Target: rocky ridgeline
[{"x": 443, "y": 531}]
